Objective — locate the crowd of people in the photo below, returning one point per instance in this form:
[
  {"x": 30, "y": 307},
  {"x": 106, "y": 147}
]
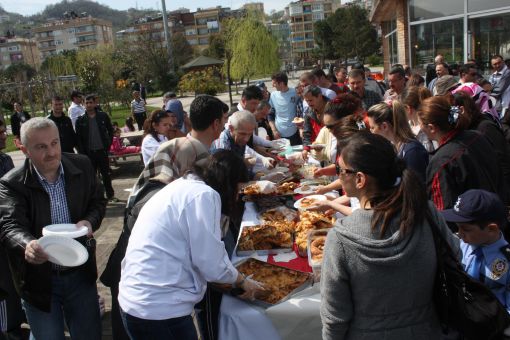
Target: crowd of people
[{"x": 418, "y": 154}]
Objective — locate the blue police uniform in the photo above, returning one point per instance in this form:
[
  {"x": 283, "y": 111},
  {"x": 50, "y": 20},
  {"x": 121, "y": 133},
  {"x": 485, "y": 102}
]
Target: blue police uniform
[{"x": 494, "y": 267}]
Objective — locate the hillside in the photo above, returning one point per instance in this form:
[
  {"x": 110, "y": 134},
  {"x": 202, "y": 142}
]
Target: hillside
[{"x": 119, "y": 19}]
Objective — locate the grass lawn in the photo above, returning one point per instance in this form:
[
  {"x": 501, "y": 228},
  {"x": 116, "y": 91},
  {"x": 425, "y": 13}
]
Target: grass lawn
[{"x": 119, "y": 115}]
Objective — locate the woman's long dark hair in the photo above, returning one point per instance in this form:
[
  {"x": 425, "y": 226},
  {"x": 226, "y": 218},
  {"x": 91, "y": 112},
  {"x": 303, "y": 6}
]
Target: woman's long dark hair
[
  {"x": 398, "y": 191},
  {"x": 155, "y": 117},
  {"x": 223, "y": 171}
]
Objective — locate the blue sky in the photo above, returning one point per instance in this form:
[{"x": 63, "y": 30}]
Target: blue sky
[{"x": 28, "y": 7}]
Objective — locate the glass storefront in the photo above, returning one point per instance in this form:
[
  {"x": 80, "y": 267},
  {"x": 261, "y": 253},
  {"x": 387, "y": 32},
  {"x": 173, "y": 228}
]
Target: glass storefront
[
  {"x": 390, "y": 28},
  {"x": 442, "y": 37},
  {"x": 483, "y": 5},
  {"x": 489, "y": 36},
  {"x": 429, "y": 9}
]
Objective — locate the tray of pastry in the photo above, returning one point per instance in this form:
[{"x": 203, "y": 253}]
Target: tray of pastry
[
  {"x": 278, "y": 214},
  {"x": 263, "y": 188},
  {"x": 315, "y": 250},
  {"x": 280, "y": 282},
  {"x": 309, "y": 221},
  {"x": 266, "y": 239}
]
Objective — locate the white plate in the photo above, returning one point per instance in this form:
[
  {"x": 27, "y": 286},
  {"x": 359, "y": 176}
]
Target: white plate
[
  {"x": 297, "y": 204},
  {"x": 65, "y": 230},
  {"x": 64, "y": 251},
  {"x": 310, "y": 191}
]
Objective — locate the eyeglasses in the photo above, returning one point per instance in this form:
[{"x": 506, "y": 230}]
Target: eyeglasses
[{"x": 343, "y": 171}]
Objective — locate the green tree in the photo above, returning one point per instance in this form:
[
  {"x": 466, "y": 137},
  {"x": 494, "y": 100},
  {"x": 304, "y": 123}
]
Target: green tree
[
  {"x": 349, "y": 34},
  {"x": 216, "y": 47},
  {"x": 254, "y": 50},
  {"x": 324, "y": 40},
  {"x": 182, "y": 50}
]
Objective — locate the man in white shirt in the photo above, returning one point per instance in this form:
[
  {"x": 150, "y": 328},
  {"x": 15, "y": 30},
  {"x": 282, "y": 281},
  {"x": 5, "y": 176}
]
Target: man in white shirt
[
  {"x": 500, "y": 81},
  {"x": 76, "y": 109}
]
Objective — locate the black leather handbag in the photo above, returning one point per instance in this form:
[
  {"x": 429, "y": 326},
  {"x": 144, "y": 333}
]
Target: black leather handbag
[{"x": 463, "y": 303}]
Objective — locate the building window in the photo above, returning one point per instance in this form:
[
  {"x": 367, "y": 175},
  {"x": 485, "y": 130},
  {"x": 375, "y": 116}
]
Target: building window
[
  {"x": 202, "y": 21},
  {"x": 489, "y": 36},
  {"x": 193, "y": 42},
  {"x": 191, "y": 31},
  {"x": 13, "y": 48},
  {"x": 202, "y": 31},
  {"x": 318, "y": 16},
  {"x": 443, "y": 37},
  {"x": 59, "y": 42},
  {"x": 316, "y": 7},
  {"x": 296, "y": 9},
  {"x": 203, "y": 41},
  {"x": 482, "y": 5},
  {"x": 430, "y": 9}
]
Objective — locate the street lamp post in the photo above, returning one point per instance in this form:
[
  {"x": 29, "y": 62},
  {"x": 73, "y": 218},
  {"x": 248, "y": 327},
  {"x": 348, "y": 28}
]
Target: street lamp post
[{"x": 167, "y": 37}]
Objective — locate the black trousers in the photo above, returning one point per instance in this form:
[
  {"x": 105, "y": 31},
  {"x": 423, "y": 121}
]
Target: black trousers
[
  {"x": 101, "y": 163},
  {"x": 140, "y": 118}
]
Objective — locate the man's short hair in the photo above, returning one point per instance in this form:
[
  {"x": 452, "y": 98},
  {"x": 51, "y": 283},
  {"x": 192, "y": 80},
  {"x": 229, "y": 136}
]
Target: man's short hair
[
  {"x": 169, "y": 94},
  {"x": 496, "y": 56},
  {"x": 398, "y": 70},
  {"x": 263, "y": 104},
  {"x": 309, "y": 76},
  {"x": 357, "y": 73},
  {"x": 57, "y": 98},
  {"x": 464, "y": 69},
  {"x": 75, "y": 94},
  {"x": 90, "y": 97},
  {"x": 280, "y": 77},
  {"x": 358, "y": 66},
  {"x": 318, "y": 73},
  {"x": 252, "y": 92},
  {"x": 240, "y": 118},
  {"x": 36, "y": 123},
  {"x": 204, "y": 110},
  {"x": 442, "y": 64}
]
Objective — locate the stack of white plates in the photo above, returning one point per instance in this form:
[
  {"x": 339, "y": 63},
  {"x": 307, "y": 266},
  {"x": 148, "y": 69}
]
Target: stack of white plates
[{"x": 58, "y": 242}]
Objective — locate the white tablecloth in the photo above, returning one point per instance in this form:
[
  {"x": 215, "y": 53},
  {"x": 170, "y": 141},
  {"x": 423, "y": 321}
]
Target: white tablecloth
[{"x": 297, "y": 318}]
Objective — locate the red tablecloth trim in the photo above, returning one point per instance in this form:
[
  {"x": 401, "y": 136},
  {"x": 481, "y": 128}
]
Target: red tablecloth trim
[{"x": 299, "y": 263}]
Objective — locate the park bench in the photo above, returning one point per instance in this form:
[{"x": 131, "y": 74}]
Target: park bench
[{"x": 114, "y": 158}]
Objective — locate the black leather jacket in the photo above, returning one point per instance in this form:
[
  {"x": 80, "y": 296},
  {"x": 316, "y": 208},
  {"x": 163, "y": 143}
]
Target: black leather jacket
[
  {"x": 105, "y": 131},
  {"x": 25, "y": 210}
]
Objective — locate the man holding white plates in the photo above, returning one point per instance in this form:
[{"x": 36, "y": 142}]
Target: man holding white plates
[{"x": 52, "y": 188}]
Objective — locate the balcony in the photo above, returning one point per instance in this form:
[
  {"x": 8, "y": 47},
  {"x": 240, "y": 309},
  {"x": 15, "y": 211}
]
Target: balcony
[{"x": 86, "y": 42}]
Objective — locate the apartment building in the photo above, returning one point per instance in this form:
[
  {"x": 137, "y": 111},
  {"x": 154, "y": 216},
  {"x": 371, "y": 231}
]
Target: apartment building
[
  {"x": 72, "y": 34},
  {"x": 197, "y": 27},
  {"x": 281, "y": 31},
  {"x": 18, "y": 50},
  {"x": 303, "y": 14}
]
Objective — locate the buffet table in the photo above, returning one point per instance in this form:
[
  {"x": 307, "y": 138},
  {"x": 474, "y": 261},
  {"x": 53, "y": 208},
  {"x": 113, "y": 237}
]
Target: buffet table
[{"x": 296, "y": 318}]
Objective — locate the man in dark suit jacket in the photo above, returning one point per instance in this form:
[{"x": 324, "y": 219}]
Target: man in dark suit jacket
[
  {"x": 51, "y": 188},
  {"x": 18, "y": 118},
  {"x": 95, "y": 133}
]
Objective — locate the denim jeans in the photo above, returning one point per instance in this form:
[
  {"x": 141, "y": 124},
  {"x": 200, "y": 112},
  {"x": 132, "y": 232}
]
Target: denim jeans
[
  {"x": 73, "y": 300},
  {"x": 181, "y": 328}
]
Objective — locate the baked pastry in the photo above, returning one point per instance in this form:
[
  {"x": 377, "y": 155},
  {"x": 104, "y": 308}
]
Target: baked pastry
[
  {"x": 310, "y": 220},
  {"x": 307, "y": 202},
  {"x": 265, "y": 237},
  {"x": 278, "y": 281},
  {"x": 317, "y": 248},
  {"x": 286, "y": 188}
]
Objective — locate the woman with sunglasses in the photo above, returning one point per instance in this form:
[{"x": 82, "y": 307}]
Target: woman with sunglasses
[
  {"x": 464, "y": 158},
  {"x": 389, "y": 120},
  {"x": 155, "y": 129},
  {"x": 379, "y": 263},
  {"x": 314, "y": 119}
]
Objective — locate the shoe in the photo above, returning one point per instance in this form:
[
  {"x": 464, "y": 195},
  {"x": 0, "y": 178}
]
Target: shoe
[{"x": 113, "y": 200}]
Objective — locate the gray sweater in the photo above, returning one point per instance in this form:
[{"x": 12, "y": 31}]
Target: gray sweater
[{"x": 380, "y": 289}]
